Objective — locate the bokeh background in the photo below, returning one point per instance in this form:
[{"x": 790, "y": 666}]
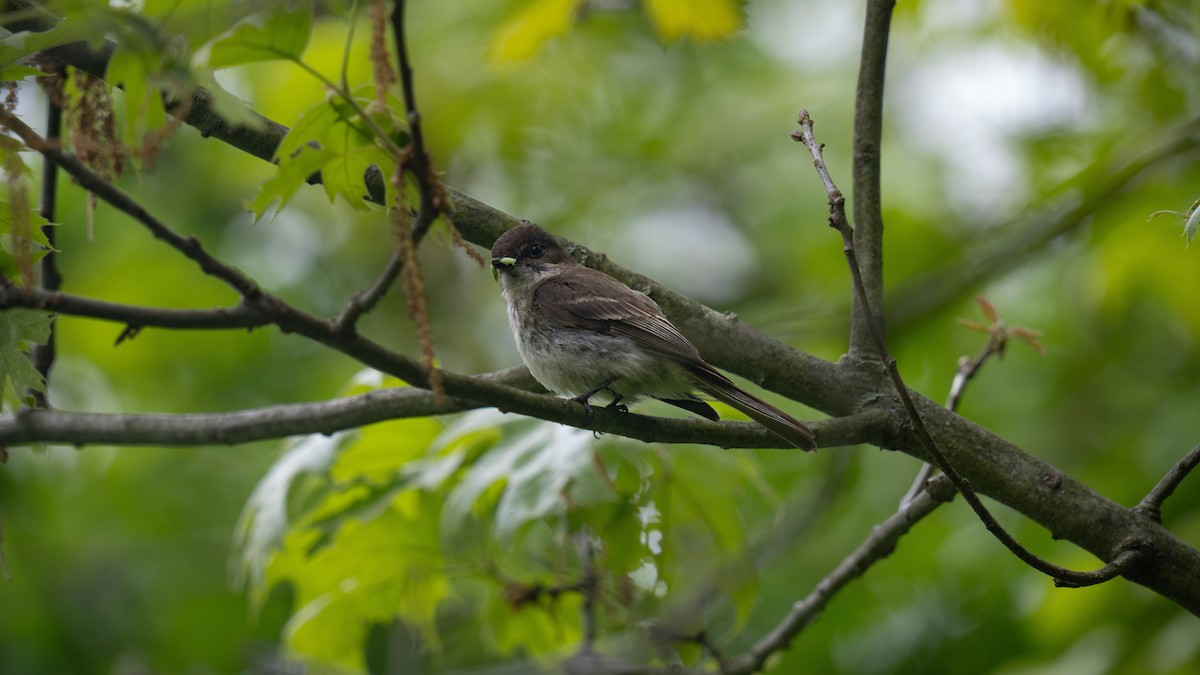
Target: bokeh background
[{"x": 674, "y": 158}]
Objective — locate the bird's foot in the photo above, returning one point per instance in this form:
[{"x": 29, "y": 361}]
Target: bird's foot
[
  {"x": 582, "y": 399},
  {"x": 587, "y": 408},
  {"x": 617, "y": 405}
]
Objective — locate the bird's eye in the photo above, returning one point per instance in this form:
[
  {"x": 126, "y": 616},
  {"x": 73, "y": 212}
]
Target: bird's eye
[{"x": 535, "y": 250}]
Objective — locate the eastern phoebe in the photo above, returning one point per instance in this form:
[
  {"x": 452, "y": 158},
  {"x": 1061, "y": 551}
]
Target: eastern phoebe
[{"x": 582, "y": 333}]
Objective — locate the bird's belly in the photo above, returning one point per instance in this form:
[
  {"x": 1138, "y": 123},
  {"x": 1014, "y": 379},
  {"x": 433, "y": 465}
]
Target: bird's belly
[{"x": 571, "y": 362}]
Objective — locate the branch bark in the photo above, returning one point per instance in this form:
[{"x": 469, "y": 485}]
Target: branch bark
[
  {"x": 36, "y": 425},
  {"x": 1151, "y": 504},
  {"x": 868, "y": 208},
  {"x": 220, "y": 318}
]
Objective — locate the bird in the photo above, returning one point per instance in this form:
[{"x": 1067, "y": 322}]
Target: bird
[{"x": 584, "y": 334}]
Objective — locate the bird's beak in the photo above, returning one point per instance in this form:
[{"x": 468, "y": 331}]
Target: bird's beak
[{"x": 499, "y": 263}]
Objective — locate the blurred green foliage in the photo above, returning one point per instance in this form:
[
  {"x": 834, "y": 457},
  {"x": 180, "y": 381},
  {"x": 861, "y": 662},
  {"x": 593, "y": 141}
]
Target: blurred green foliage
[{"x": 451, "y": 544}]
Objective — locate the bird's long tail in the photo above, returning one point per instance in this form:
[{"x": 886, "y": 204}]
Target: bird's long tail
[{"x": 780, "y": 423}]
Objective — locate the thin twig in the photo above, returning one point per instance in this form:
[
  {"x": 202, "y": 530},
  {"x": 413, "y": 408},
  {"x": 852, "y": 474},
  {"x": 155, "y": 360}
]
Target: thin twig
[
  {"x": 1127, "y": 554},
  {"x": 659, "y": 633},
  {"x": 432, "y": 199},
  {"x": 105, "y": 190},
  {"x": 877, "y": 546},
  {"x": 1151, "y": 505},
  {"x": 351, "y": 26},
  {"x": 415, "y": 161},
  {"x": 221, "y": 318},
  {"x": 967, "y": 368},
  {"x": 51, "y": 278},
  {"x": 362, "y": 302},
  {"x": 365, "y": 300}
]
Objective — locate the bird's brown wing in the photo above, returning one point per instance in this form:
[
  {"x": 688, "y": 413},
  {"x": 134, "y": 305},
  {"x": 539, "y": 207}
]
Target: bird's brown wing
[{"x": 593, "y": 300}]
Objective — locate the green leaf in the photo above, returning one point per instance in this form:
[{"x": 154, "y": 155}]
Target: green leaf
[
  {"x": 20, "y": 329},
  {"x": 620, "y": 528},
  {"x": 355, "y": 152},
  {"x": 312, "y": 124},
  {"x": 531, "y": 467},
  {"x": 262, "y": 37},
  {"x": 16, "y": 71},
  {"x": 264, "y": 520},
  {"x": 701, "y": 20},
  {"x": 367, "y": 462},
  {"x": 287, "y": 181},
  {"x": 374, "y": 571},
  {"x": 1190, "y": 226},
  {"x": 365, "y": 548},
  {"x": 380, "y": 451},
  {"x": 22, "y": 45},
  {"x": 349, "y": 150},
  {"x": 139, "y": 73},
  {"x": 26, "y": 243},
  {"x": 522, "y": 35},
  {"x": 703, "y": 540},
  {"x": 538, "y": 629}
]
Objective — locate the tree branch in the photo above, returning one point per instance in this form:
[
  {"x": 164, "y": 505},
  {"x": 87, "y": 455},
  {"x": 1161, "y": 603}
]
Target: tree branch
[
  {"x": 415, "y": 161},
  {"x": 1151, "y": 505},
  {"x": 968, "y": 368},
  {"x": 326, "y": 417},
  {"x": 878, "y": 545},
  {"x": 105, "y": 190},
  {"x": 244, "y": 426},
  {"x": 362, "y": 302},
  {"x": 221, "y": 318},
  {"x": 419, "y": 163},
  {"x": 1123, "y": 558},
  {"x": 868, "y": 210}
]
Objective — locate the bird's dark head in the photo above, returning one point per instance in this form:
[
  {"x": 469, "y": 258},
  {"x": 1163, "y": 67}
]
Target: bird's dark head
[{"x": 528, "y": 251}]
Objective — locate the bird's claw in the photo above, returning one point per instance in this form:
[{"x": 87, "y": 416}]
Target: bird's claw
[
  {"x": 591, "y": 412},
  {"x": 587, "y": 410},
  {"x": 616, "y": 404}
]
